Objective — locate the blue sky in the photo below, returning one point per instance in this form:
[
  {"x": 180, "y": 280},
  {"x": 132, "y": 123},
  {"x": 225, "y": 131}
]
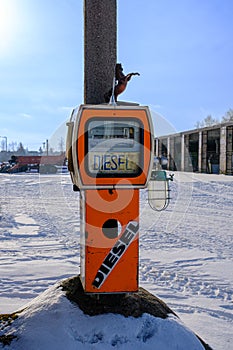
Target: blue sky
[{"x": 183, "y": 50}]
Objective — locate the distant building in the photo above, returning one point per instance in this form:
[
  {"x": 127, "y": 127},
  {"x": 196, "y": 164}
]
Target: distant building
[{"x": 204, "y": 150}]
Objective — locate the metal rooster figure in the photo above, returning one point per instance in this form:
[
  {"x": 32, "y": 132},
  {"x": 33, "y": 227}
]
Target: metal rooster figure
[{"x": 121, "y": 82}]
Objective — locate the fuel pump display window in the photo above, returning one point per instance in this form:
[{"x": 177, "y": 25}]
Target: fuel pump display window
[{"x": 114, "y": 148}]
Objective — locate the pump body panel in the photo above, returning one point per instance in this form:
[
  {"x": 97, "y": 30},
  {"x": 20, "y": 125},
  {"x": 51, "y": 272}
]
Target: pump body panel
[{"x": 109, "y": 257}]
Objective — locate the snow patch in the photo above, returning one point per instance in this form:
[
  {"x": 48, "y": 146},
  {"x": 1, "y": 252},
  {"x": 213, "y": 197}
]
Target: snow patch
[{"x": 50, "y": 322}]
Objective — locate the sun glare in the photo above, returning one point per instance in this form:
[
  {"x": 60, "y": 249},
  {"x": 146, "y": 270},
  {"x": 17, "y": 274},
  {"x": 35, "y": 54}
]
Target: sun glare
[{"x": 9, "y": 20}]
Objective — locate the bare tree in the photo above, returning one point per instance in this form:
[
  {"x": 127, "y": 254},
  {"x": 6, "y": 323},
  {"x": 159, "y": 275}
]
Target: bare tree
[
  {"x": 198, "y": 125},
  {"x": 12, "y": 145},
  {"x": 228, "y": 117},
  {"x": 3, "y": 147},
  {"x": 61, "y": 145},
  {"x": 208, "y": 121},
  {"x": 21, "y": 149}
]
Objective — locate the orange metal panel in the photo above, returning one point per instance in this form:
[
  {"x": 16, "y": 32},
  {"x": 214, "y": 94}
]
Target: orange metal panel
[
  {"x": 111, "y": 264},
  {"x": 139, "y": 114}
]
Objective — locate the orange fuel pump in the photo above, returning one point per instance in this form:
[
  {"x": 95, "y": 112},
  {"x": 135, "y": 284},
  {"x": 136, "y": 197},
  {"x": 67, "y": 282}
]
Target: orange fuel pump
[{"x": 110, "y": 157}]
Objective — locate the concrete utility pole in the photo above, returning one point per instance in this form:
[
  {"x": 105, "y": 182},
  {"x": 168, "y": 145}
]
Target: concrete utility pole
[{"x": 100, "y": 42}]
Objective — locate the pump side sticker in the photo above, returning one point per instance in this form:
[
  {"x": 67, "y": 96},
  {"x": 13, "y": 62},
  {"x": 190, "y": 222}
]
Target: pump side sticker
[{"x": 116, "y": 253}]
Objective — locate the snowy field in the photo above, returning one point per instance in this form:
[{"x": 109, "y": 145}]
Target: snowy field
[{"x": 186, "y": 252}]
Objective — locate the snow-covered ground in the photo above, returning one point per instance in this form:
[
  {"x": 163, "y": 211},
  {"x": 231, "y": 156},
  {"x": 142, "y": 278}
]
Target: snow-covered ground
[
  {"x": 52, "y": 322},
  {"x": 186, "y": 252}
]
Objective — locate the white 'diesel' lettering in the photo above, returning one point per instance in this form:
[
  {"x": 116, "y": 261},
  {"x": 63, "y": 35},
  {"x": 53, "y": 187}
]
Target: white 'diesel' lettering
[{"x": 116, "y": 253}]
